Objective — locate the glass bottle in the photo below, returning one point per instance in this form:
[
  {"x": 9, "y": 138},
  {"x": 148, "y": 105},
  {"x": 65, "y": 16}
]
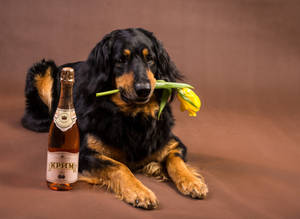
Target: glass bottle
[{"x": 63, "y": 143}]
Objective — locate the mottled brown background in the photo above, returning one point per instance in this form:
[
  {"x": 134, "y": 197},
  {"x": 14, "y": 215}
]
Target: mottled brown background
[{"x": 243, "y": 59}]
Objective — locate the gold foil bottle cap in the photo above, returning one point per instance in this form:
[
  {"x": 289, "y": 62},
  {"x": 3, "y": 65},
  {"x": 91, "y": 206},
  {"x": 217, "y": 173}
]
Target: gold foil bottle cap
[{"x": 67, "y": 74}]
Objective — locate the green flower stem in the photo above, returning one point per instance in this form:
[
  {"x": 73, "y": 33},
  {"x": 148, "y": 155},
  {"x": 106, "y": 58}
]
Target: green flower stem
[
  {"x": 160, "y": 84},
  {"x": 107, "y": 93}
]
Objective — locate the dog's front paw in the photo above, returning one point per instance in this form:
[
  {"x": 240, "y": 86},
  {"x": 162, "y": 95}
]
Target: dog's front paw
[
  {"x": 139, "y": 196},
  {"x": 193, "y": 187}
]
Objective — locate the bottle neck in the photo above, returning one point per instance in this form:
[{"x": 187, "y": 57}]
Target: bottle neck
[{"x": 66, "y": 96}]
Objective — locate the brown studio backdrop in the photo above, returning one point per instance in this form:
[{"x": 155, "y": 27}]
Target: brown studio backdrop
[
  {"x": 239, "y": 54},
  {"x": 243, "y": 59}
]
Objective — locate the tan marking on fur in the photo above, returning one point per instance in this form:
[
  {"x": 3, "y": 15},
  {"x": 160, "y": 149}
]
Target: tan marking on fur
[
  {"x": 125, "y": 82},
  {"x": 44, "y": 85},
  {"x": 120, "y": 180},
  {"x": 145, "y": 52},
  {"x": 186, "y": 179},
  {"x": 163, "y": 153},
  {"x": 126, "y": 52},
  {"x": 116, "y": 98},
  {"x": 87, "y": 177},
  {"x": 97, "y": 145}
]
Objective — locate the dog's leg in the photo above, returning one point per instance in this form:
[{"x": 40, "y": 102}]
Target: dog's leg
[
  {"x": 118, "y": 178},
  {"x": 186, "y": 179}
]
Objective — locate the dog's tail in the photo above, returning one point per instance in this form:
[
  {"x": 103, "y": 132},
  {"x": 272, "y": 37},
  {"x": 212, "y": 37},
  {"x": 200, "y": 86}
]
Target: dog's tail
[{"x": 40, "y": 90}]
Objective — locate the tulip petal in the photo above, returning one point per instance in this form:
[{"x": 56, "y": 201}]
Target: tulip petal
[{"x": 187, "y": 99}]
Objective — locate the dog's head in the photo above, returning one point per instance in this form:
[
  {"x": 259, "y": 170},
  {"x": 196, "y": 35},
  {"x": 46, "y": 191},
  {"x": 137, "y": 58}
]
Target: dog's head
[{"x": 130, "y": 60}]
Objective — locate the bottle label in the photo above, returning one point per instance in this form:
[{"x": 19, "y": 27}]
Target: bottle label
[
  {"x": 62, "y": 167},
  {"x": 64, "y": 119}
]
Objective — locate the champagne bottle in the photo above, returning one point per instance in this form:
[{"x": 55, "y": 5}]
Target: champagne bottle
[{"x": 63, "y": 144}]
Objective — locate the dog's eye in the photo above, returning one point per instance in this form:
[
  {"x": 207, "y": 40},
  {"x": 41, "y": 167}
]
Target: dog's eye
[
  {"x": 122, "y": 60},
  {"x": 150, "y": 60}
]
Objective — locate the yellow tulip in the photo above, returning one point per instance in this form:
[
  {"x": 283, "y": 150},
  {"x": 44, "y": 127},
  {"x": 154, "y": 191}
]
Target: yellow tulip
[{"x": 189, "y": 101}]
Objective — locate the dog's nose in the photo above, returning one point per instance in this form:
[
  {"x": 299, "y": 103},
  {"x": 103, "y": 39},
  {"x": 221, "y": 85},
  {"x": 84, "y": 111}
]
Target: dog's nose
[{"x": 142, "y": 89}]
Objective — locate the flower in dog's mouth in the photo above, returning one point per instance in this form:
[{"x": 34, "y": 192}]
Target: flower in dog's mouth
[{"x": 188, "y": 99}]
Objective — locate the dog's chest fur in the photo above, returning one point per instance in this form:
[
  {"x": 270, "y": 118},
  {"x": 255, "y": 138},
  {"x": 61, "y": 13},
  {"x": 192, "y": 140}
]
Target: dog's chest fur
[{"x": 135, "y": 136}]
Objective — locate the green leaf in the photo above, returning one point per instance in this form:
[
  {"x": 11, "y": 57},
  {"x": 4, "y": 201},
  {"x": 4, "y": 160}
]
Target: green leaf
[
  {"x": 186, "y": 99},
  {"x": 164, "y": 99},
  {"x": 161, "y": 84}
]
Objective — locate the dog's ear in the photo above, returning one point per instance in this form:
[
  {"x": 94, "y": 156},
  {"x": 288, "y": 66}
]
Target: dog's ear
[
  {"x": 166, "y": 69},
  {"x": 99, "y": 64},
  {"x": 99, "y": 57}
]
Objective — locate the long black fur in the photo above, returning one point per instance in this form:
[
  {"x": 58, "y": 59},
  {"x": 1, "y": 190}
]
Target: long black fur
[
  {"x": 37, "y": 116},
  {"x": 137, "y": 136}
]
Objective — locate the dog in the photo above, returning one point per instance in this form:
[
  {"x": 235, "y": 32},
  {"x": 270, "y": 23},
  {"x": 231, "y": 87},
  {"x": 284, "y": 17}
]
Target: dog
[{"x": 119, "y": 134}]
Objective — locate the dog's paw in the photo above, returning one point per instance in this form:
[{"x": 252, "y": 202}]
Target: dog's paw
[
  {"x": 140, "y": 196},
  {"x": 192, "y": 186}
]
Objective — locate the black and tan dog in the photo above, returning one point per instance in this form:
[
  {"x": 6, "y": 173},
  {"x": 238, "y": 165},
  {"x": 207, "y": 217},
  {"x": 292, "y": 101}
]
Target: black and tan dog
[{"x": 119, "y": 133}]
